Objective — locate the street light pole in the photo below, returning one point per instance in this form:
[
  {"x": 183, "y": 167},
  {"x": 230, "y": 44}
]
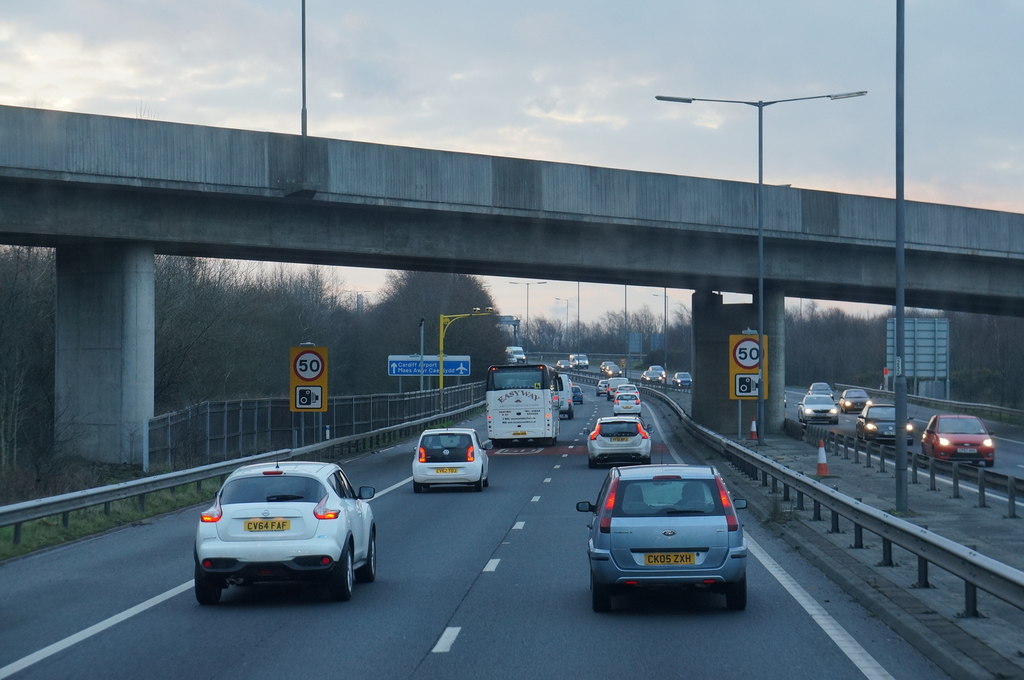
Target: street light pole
[
  {"x": 664, "y": 327},
  {"x": 527, "y": 284},
  {"x": 443, "y": 323},
  {"x": 565, "y": 329},
  {"x": 760, "y": 104},
  {"x": 303, "y": 68}
]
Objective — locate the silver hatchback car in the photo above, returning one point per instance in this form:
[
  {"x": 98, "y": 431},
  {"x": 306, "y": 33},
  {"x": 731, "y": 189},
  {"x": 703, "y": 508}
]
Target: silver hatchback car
[
  {"x": 668, "y": 526},
  {"x": 618, "y": 439}
]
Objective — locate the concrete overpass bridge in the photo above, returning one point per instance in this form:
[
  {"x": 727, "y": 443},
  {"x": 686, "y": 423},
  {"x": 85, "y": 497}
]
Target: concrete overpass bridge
[{"x": 108, "y": 193}]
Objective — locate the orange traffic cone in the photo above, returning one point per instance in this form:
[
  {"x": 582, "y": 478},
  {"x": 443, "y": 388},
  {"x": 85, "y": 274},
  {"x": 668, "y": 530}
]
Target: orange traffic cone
[
  {"x": 753, "y": 429},
  {"x": 822, "y": 460}
]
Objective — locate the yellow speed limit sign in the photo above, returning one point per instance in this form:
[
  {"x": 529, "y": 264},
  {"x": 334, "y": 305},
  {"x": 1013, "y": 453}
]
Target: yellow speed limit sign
[
  {"x": 745, "y": 360},
  {"x": 308, "y": 379}
]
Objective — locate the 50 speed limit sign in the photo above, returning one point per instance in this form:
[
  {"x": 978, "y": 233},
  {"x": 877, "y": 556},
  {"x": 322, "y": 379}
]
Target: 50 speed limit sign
[
  {"x": 748, "y": 376},
  {"x": 746, "y": 353},
  {"x": 308, "y": 365},
  {"x": 308, "y": 379}
]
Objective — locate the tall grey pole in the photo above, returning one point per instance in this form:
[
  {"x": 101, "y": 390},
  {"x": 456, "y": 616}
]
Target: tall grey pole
[
  {"x": 664, "y": 330},
  {"x": 625, "y": 329},
  {"x": 900, "y": 385},
  {"x": 421, "y": 354},
  {"x": 303, "y": 68},
  {"x": 761, "y": 427}
]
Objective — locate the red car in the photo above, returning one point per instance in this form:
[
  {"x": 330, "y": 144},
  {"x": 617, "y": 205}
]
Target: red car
[{"x": 955, "y": 437}]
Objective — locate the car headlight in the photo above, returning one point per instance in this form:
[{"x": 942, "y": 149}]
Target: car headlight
[
  {"x": 986, "y": 442},
  {"x": 833, "y": 411},
  {"x": 910, "y": 427},
  {"x": 871, "y": 426},
  {"x": 808, "y": 411}
]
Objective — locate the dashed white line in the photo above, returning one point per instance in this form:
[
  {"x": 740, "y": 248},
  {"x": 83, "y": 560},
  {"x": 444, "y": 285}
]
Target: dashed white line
[
  {"x": 557, "y": 467},
  {"x": 535, "y": 499},
  {"x": 547, "y": 480},
  {"x": 519, "y": 525},
  {"x": 491, "y": 565},
  {"x": 447, "y": 639}
]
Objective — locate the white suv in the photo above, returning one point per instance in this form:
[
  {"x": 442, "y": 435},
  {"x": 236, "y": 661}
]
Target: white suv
[{"x": 290, "y": 521}]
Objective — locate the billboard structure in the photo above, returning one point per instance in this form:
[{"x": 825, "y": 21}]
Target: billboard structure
[{"x": 926, "y": 354}]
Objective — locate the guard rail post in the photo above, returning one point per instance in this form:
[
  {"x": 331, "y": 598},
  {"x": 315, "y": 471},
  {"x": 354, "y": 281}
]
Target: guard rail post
[
  {"x": 922, "y": 573},
  {"x": 858, "y": 536},
  {"x": 931, "y": 475},
  {"x": 970, "y": 601},
  {"x": 981, "y": 488},
  {"x": 956, "y": 480},
  {"x": 881, "y": 457},
  {"x": 1011, "y": 494},
  {"x": 886, "y": 554}
]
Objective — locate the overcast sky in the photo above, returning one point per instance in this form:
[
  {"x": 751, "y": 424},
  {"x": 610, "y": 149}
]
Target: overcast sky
[{"x": 569, "y": 81}]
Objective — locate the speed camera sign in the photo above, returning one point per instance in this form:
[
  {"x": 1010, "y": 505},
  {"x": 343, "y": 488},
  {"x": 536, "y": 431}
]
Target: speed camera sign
[
  {"x": 747, "y": 374},
  {"x": 308, "y": 379}
]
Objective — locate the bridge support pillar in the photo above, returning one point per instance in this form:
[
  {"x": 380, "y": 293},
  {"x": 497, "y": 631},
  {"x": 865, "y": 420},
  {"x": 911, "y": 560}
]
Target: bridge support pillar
[
  {"x": 105, "y": 350},
  {"x": 713, "y": 323}
]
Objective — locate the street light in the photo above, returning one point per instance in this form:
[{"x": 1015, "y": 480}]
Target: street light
[
  {"x": 760, "y": 104},
  {"x": 565, "y": 330},
  {"x": 445, "y": 321},
  {"x": 303, "y": 69},
  {"x": 664, "y": 328},
  {"x": 527, "y": 284}
]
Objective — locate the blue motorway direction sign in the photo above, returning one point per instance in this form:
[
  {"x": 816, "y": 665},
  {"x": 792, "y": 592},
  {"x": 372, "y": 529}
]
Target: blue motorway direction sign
[{"x": 409, "y": 364}]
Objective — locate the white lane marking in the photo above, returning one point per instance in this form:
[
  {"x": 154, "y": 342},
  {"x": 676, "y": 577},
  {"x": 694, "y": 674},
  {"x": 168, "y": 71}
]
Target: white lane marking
[
  {"x": 24, "y": 662},
  {"x": 547, "y": 480},
  {"x": 565, "y": 455},
  {"x": 519, "y": 525},
  {"x": 535, "y": 499},
  {"x": 491, "y": 565},
  {"x": 390, "y": 489},
  {"x": 557, "y": 467},
  {"x": 447, "y": 639},
  {"x": 860, "y": 657}
]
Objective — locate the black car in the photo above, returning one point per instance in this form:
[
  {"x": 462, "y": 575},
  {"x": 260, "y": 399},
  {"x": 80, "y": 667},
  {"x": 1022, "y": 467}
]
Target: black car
[
  {"x": 577, "y": 394},
  {"x": 877, "y": 422},
  {"x": 853, "y": 399},
  {"x": 682, "y": 380}
]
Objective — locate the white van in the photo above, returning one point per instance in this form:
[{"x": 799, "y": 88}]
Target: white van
[
  {"x": 564, "y": 395},
  {"x": 515, "y": 355},
  {"x": 579, "y": 361}
]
